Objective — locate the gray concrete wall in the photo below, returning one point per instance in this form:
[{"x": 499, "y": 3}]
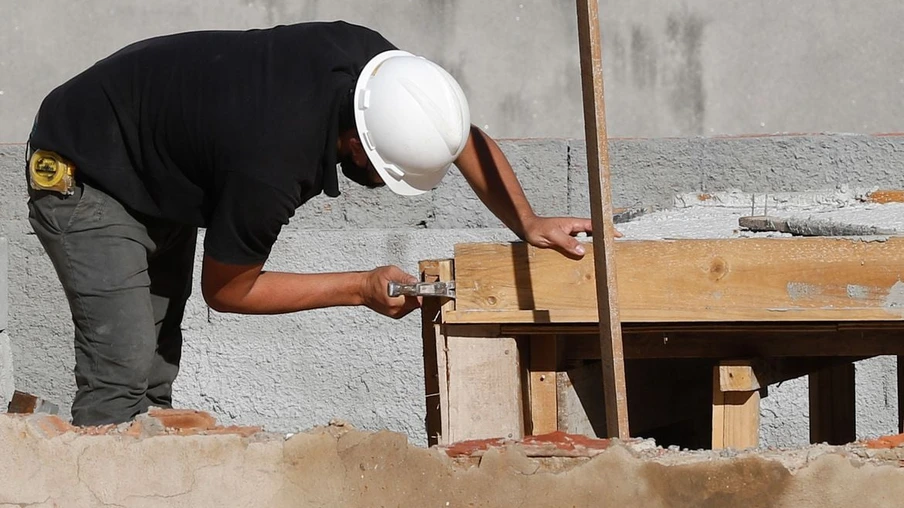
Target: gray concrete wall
[
  {"x": 296, "y": 371},
  {"x": 672, "y": 68},
  {"x": 7, "y": 383}
]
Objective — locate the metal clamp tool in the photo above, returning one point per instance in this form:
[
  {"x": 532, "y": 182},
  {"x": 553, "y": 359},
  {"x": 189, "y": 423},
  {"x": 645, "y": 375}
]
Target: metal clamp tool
[{"x": 439, "y": 289}]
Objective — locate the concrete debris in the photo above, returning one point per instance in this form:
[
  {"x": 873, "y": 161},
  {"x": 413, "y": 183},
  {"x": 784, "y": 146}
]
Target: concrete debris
[
  {"x": 810, "y": 227},
  {"x": 180, "y": 459},
  {"x": 623, "y": 215}
]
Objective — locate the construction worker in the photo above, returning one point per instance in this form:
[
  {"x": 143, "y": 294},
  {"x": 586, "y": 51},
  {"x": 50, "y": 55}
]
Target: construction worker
[{"x": 231, "y": 131}]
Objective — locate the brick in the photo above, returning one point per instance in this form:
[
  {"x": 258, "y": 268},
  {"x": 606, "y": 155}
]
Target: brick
[
  {"x": 183, "y": 419},
  {"x": 886, "y": 442},
  {"x": 48, "y": 426}
]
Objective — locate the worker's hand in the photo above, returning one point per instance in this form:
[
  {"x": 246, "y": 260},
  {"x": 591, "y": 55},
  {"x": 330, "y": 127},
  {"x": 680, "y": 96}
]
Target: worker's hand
[
  {"x": 375, "y": 294},
  {"x": 558, "y": 233}
]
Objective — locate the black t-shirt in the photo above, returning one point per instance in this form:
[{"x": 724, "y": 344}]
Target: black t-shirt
[{"x": 227, "y": 130}]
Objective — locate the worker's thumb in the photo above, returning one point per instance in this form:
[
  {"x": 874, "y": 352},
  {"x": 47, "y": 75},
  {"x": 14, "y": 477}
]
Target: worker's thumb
[{"x": 577, "y": 248}]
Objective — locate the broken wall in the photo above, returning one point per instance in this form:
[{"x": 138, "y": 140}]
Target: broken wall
[
  {"x": 297, "y": 371},
  {"x": 182, "y": 460}
]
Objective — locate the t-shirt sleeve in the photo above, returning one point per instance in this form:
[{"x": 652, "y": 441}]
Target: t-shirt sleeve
[{"x": 246, "y": 221}]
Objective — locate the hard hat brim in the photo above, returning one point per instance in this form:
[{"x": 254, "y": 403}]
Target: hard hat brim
[{"x": 411, "y": 185}]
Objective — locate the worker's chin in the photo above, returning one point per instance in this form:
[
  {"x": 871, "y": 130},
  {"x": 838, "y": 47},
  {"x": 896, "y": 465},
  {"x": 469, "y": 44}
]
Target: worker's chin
[{"x": 360, "y": 176}]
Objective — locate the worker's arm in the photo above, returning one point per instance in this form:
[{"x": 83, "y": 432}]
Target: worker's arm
[
  {"x": 248, "y": 289},
  {"x": 489, "y": 173}
]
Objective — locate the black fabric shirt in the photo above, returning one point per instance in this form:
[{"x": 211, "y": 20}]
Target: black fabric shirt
[{"x": 227, "y": 130}]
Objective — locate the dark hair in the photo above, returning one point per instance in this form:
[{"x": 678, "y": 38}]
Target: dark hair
[{"x": 347, "y": 111}]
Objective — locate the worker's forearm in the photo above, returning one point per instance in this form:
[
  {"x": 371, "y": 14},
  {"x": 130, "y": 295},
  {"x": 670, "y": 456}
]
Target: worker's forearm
[
  {"x": 489, "y": 173},
  {"x": 279, "y": 293}
]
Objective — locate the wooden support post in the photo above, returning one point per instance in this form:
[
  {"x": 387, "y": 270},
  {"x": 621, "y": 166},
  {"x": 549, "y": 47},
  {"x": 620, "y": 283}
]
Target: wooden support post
[
  {"x": 435, "y": 365},
  {"x": 613, "y": 363},
  {"x": 543, "y": 389},
  {"x": 833, "y": 405},
  {"x": 736, "y": 406}
]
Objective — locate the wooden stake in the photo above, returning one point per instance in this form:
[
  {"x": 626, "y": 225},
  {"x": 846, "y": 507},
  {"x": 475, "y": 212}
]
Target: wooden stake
[
  {"x": 736, "y": 414},
  {"x": 544, "y": 411},
  {"x": 435, "y": 362},
  {"x": 601, "y": 214}
]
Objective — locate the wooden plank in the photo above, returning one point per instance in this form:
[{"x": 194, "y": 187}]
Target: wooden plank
[
  {"x": 613, "y": 363},
  {"x": 485, "y": 394},
  {"x": 736, "y": 417},
  {"x": 434, "y": 349},
  {"x": 442, "y": 404},
  {"x": 543, "y": 367},
  {"x": 737, "y": 376},
  {"x": 833, "y": 405},
  {"x": 718, "y": 416},
  {"x": 690, "y": 344},
  {"x": 725, "y": 280},
  {"x": 702, "y": 315},
  {"x": 708, "y": 328}
]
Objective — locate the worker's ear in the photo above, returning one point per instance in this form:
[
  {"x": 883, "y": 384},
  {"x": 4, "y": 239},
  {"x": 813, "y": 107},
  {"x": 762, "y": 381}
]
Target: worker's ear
[{"x": 359, "y": 156}]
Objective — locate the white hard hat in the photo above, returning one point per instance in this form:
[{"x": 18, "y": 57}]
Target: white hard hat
[{"x": 413, "y": 120}]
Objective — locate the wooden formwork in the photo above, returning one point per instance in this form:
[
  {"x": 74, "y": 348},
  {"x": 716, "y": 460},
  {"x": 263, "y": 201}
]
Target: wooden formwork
[{"x": 508, "y": 356}]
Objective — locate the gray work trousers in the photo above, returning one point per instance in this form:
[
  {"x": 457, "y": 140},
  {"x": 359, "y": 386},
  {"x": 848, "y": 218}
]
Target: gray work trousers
[{"x": 127, "y": 278}]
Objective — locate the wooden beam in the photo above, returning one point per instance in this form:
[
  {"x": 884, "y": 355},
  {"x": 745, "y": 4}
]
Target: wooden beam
[
  {"x": 833, "y": 405},
  {"x": 709, "y": 328},
  {"x": 750, "y": 344},
  {"x": 601, "y": 214},
  {"x": 736, "y": 414},
  {"x": 543, "y": 367},
  {"x": 724, "y": 280},
  {"x": 434, "y": 347}
]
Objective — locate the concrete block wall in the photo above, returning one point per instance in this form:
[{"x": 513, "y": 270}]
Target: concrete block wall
[
  {"x": 7, "y": 383},
  {"x": 296, "y": 371}
]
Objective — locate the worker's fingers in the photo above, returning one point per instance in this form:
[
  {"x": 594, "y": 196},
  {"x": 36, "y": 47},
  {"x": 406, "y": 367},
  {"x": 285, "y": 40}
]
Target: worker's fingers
[
  {"x": 565, "y": 243},
  {"x": 586, "y": 226},
  {"x": 396, "y": 274},
  {"x": 580, "y": 226}
]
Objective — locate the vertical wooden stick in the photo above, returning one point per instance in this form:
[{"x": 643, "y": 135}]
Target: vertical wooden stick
[
  {"x": 736, "y": 406},
  {"x": 601, "y": 214},
  {"x": 435, "y": 361},
  {"x": 544, "y": 408}
]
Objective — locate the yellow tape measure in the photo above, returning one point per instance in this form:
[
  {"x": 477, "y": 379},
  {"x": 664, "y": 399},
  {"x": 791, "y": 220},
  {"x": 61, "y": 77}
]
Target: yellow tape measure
[{"x": 49, "y": 171}]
